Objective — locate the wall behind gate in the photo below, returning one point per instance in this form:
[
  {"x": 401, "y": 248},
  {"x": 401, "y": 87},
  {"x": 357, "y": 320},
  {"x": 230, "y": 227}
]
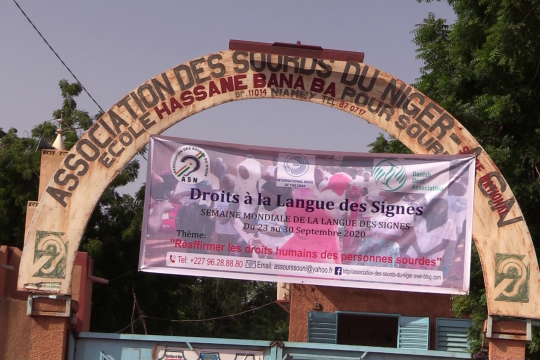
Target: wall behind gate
[{"x": 331, "y": 299}]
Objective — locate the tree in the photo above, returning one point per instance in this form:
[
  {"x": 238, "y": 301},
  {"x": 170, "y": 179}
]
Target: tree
[
  {"x": 20, "y": 163},
  {"x": 112, "y": 238},
  {"x": 19, "y": 182},
  {"x": 484, "y": 69},
  {"x": 76, "y": 121},
  {"x": 171, "y": 302},
  {"x": 382, "y": 145}
]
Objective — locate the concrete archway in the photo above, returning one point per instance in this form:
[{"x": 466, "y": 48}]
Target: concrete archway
[{"x": 499, "y": 230}]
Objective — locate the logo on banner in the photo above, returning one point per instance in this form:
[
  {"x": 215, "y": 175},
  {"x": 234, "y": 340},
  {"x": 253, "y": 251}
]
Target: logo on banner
[
  {"x": 296, "y": 165},
  {"x": 190, "y": 164},
  {"x": 511, "y": 278},
  {"x": 389, "y": 175},
  {"x": 50, "y": 255}
]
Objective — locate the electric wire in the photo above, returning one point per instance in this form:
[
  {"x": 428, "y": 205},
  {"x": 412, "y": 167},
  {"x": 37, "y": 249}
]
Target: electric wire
[
  {"x": 196, "y": 320},
  {"x": 58, "y": 56},
  {"x": 148, "y": 317},
  {"x": 129, "y": 325},
  {"x": 116, "y": 278},
  {"x": 210, "y": 319}
]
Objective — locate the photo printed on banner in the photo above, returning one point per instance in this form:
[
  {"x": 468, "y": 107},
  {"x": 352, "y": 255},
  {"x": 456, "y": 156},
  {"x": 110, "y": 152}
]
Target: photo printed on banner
[{"x": 353, "y": 220}]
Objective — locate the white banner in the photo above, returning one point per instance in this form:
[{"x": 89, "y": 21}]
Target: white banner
[{"x": 389, "y": 221}]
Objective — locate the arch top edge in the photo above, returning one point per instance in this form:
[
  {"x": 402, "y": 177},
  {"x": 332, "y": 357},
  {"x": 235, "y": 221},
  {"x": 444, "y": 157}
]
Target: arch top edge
[
  {"x": 355, "y": 80},
  {"x": 186, "y": 89}
]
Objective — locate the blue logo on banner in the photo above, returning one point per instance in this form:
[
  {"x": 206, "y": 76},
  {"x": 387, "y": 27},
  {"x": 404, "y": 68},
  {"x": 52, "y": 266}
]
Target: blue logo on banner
[{"x": 296, "y": 165}]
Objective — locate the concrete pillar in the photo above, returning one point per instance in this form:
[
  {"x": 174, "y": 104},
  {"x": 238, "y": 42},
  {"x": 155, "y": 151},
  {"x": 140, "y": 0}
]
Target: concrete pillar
[
  {"x": 508, "y": 340},
  {"x": 39, "y": 328},
  {"x": 33, "y": 337},
  {"x": 50, "y": 160}
]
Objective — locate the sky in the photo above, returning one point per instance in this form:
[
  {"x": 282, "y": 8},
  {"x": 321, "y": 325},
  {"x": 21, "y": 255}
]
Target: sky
[{"x": 115, "y": 46}]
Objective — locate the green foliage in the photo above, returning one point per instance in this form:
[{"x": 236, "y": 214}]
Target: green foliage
[
  {"x": 381, "y": 145},
  {"x": 76, "y": 121},
  {"x": 213, "y": 297},
  {"x": 112, "y": 238},
  {"x": 534, "y": 345},
  {"x": 20, "y": 162},
  {"x": 19, "y": 182},
  {"x": 484, "y": 70},
  {"x": 474, "y": 304}
]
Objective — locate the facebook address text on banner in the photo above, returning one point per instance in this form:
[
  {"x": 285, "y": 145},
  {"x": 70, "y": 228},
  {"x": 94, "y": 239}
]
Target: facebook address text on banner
[{"x": 290, "y": 268}]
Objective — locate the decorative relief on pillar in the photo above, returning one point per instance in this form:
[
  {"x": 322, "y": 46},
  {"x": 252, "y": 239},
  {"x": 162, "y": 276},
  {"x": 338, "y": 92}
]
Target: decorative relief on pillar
[
  {"x": 511, "y": 278},
  {"x": 50, "y": 255}
]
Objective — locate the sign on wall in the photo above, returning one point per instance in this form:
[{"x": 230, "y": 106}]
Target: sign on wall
[
  {"x": 388, "y": 221},
  {"x": 177, "y": 353}
]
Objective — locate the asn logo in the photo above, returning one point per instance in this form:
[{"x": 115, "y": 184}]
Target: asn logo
[
  {"x": 389, "y": 175},
  {"x": 511, "y": 278},
  {"x": 190, "y": 164},
  {"x": 296, "y": 165},
  {"x": 50, "y": 255}
]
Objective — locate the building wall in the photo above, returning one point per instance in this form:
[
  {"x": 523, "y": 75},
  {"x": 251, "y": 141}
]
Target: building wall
[
  {"x": 31, "y": 337},
  {"x": 11, "y": 256},
  {"x": 42, "y": 336},
  {"x": 331, "y": 299}
]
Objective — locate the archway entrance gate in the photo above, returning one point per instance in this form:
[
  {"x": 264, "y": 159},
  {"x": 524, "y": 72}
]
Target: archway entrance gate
[{"x": 508, "y": 258}]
